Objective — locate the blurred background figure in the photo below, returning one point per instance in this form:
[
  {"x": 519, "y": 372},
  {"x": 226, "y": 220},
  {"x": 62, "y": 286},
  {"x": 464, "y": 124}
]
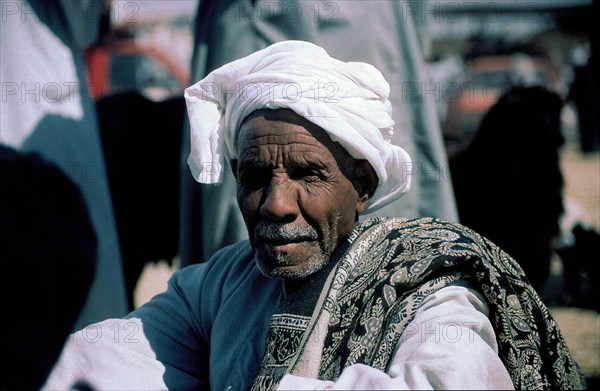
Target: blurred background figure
[
  {"x": 390, "y": 35},
  {"x": 137, "y": 70},
  {"x": 586, "y": 98},
  {"x": 492, "y": 66},
  {"x": 581, "y": 279},
  {"x": 46, "y": 108},
  {"x": 141, "y": 139},
  {"x": 48, "y": 251},
  {"x": 508, "y": 181}
]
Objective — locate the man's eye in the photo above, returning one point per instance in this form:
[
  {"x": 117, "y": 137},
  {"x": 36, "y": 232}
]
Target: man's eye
[{"x": 306, "y": 174}]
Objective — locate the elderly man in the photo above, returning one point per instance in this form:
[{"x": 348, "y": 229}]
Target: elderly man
[{"x": 315, "y": 298}]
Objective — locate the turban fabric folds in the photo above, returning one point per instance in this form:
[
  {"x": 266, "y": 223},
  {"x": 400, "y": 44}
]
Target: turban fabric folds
[{"x": 348, "y": 100}]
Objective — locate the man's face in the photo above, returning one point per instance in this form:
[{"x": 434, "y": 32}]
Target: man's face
[{"x": 295, "y": 192}]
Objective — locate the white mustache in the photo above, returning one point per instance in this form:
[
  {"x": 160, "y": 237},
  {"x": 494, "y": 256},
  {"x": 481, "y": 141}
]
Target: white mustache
[{"x": 284, "y": 232}]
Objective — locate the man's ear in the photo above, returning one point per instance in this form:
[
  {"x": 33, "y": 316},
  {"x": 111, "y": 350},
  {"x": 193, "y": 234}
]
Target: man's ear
[
  {"x": 367, "y": 181},
  {"x": 233, "y": 163}
]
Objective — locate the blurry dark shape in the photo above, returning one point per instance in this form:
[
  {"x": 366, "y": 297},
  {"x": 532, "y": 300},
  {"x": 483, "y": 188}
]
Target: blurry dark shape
[
  {"x": 48, "y": 250},
  {"x": 508, "y": 182},
  {"x": 104, "y": 23},
  {"x": 594, "y": 36},
  {"x": 486, "y": 78},
  {"x": 141, "y": 141},
  {"x": 119, "y": 63},
  {"x": 580, "y": 273},
  {"x": 484, "y": 46},
  {"x": 586, "y": 97},
  {"x": 82, "y": 385},
  {"x": 585, "y": 86}
]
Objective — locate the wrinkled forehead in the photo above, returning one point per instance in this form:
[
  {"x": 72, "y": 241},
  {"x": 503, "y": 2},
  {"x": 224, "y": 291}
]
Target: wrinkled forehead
[
  {"x": 288, "y": 116},
  {"x": 285, "y": 130}
]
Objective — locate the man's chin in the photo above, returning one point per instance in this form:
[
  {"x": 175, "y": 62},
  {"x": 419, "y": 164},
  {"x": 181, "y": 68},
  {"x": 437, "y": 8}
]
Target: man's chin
[
  {"x": 286, "y": 274},
  {"x": 288, "y": 270}
]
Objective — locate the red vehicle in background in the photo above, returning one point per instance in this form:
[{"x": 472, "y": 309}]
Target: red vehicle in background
[
  {"x": 125, "y": 64},
  {"x": 485, "y": 79}
]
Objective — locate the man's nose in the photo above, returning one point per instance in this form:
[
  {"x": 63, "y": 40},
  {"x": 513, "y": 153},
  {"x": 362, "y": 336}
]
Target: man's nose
[{"x": 280, "y": 200}]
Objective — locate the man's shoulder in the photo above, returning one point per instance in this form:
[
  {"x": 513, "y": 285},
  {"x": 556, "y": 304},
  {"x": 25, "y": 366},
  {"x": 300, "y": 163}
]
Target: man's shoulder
[
  {"x": 422, "y": 224},
  {"x": 231, "y": 265},
  {"x": 425, "y": 230},
  {"x": 233, "y": 252},
  {"x": 434, "y": 222},
  {"x": 238, "y": 254}
]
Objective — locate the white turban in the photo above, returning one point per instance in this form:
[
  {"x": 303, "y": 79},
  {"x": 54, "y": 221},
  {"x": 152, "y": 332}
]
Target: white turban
[{"x": 347, "y": 100}]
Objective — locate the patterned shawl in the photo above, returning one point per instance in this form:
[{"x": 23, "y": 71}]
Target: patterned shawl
[{"x": 385, "y": 271}]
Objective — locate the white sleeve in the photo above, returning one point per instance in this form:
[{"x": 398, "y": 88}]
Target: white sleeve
[
  {"x": 109, "y": 355},
  {"x": 450, "y": 344}
]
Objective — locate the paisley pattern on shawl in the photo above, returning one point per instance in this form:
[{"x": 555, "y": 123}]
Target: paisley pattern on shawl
[{"x": 376, "y": 287}]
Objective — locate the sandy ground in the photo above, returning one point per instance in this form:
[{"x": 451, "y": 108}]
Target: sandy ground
[{"x": 581, "y": 328}]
